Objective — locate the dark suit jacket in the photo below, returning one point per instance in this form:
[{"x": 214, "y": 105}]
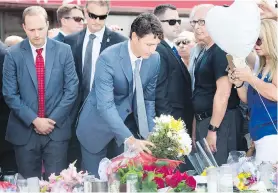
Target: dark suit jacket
[
  {"x": 60, "y": 37},
  {"x": 173, "y": 90},
  {"x": 4, "y": 109},
  {"x": 76, "y": 42}
]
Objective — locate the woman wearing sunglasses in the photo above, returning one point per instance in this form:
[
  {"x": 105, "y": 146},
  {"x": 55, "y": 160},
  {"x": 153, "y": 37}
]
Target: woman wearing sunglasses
[
  {"x": 261, "y": 94},
  {"x": 184, "y": 43}
]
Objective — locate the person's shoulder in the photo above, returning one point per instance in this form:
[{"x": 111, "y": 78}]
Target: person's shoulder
[
  {"x": 74, "y": 36},
  {"x": 217, "y": 50},
  {"x": 117, "y": 36},
  {"x": 112, "y": 51}
]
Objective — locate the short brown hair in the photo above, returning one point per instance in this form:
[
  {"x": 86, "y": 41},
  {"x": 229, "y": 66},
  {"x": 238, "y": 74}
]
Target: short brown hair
[
  {"x": 101, "y": 3},
  {"x": 64, "y": 11},
  {"x": 34, "y": 10}
]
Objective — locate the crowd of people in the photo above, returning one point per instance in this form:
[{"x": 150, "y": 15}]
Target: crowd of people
[{"x": 89, "y": 91}]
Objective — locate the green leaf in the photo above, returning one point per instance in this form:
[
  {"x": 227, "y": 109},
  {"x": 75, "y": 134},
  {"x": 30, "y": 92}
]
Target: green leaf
[
  {"x": 149, "y": 186},
  {"x": 150, "y": 176}
]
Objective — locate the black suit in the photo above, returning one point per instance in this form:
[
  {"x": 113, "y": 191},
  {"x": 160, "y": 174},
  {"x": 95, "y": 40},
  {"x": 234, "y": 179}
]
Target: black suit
[
  {"x": 7, "y": 157},
  {"x": 76, "y": 42},
  {"x": 173, "y": 90},
  {"x": 60, "y": 37}
]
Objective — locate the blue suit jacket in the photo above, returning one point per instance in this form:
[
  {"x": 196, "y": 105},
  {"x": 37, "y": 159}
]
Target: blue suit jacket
[
  {"x": 20, "y": 90},
  {"x": 60, "y": 37},
  {"x": 111, "y": 99}
]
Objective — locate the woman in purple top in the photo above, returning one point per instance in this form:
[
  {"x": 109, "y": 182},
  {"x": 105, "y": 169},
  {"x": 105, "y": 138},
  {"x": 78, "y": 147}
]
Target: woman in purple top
[{"x": 261, "y": 94}]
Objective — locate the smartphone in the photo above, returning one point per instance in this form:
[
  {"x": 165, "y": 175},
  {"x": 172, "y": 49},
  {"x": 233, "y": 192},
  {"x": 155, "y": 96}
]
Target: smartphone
[{"x": 231, "y": 64}]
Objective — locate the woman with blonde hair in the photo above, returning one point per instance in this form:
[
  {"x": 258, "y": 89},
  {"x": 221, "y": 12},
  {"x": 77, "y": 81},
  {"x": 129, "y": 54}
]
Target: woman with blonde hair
[{"x": 261, "y": 94}]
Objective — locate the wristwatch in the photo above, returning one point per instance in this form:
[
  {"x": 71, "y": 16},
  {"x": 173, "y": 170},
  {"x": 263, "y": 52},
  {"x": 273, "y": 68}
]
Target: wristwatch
[{"x": 212, "y": 128}]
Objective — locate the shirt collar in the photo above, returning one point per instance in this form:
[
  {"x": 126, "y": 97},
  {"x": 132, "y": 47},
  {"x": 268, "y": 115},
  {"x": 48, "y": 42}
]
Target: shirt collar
[
  {"x": 34, "y": 48},
  {"x": 133, "y": 58},
  {"x": 171, "y": 44},
  {"x": 63, "y": 33},
  {"x": 98, "y": 34}
]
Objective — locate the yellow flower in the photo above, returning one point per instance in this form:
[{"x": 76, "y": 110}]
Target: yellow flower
[
  {"x": 176, "y": 125},
  {"x": 241, "y": 186},
  {"x": 241, "y": 176},
  {"x": 205, "y": 171}
]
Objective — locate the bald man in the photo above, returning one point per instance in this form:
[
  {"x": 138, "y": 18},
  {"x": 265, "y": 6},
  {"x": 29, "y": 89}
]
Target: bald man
[{"x": 12, "y": 40}]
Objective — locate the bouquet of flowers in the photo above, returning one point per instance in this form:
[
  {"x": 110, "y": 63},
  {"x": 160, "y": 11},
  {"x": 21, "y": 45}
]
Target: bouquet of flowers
[
  {"x": 245, "y": 180},
  {"x": 153, "y": 174},
  {"x": 66, "y": 181},
  {"x": 170, "y": 138}
]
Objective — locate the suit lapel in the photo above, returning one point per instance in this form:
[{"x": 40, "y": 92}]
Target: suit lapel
[
  {"x": 126, "y": 66},
  {"x": 181, "y": 64},
  {"x": 106, "y": 39},
  {"x": 49, "y": 59},
  {"x": 79, "y": 49},
  {"x": 29, "y": 61}
]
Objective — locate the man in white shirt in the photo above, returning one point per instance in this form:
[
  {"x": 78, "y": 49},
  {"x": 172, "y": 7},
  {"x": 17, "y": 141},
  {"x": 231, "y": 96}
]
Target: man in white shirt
[
  {"x": 173, "y": 90},
  {"x": 40, "y": 86},
  {"x": 86, "y": 51},
  {"x": 121, "y": 105},
  {"x": 71, "y": 19}
]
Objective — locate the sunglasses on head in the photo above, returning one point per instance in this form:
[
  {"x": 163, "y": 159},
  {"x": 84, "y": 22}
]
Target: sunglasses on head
[
  {"x": 172, "y": 21},
  {"x": 76, "y": 19},
  {"x": 259, "y": 42},
  {"x": 184, "y": 42},
  {"x": 200, "y": 22},
  {"x": 94, "y": 16}
]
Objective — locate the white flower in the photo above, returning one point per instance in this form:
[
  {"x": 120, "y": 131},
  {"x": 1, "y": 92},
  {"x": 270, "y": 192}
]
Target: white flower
[
  {"x": 169, "y": 134},
  {"x": 155, "y": 134}
]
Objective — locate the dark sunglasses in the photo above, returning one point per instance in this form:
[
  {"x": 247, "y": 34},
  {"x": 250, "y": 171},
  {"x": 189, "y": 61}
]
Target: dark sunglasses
[
  {"x": 184, "y": 42},
  {"x": 259, "y": 42},
  {"x": 172, "y": 21},
  {"x": 200, "y": 22},
  {"x": 94, "y": 16},
  {"x": 76, "y": 19}
]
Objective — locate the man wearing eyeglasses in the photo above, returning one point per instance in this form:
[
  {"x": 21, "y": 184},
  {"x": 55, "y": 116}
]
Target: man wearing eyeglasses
[
  {"x": 214, "y": 100},
  {"x": 173, "y": 90},
  {"x": 71, "y": 19},
  {"x": 86, "y": 47}
]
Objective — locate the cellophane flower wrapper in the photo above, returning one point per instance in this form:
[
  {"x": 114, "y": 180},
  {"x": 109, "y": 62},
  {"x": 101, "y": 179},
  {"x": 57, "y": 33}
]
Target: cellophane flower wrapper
[
  {"x": 137, "y": 159},
  {"x": 244, "y": 170},
  {"x": 65, "y": 182},
  {"x": 7, "y": 187}
]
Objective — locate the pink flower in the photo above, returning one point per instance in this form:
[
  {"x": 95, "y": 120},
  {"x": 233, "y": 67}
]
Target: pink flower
[
  {"x": 191, "y": 182},
  {"x": 52, "y": 178},
  {"x": 159, "y": 182}
]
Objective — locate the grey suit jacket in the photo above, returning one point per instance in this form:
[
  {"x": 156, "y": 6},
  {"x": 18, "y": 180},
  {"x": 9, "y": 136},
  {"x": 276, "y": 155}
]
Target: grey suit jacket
[
  {"x": 20, "y": 90},
  {"x": 111, "y": 99}
]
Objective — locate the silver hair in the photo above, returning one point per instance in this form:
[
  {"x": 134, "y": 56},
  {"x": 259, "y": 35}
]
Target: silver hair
[{"x": 197, "y": 7}]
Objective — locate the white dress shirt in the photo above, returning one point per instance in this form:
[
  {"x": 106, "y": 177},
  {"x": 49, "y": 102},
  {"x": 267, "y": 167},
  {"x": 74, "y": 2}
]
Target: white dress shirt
[
  {"x": 171, "y": 44},
  {"x": 34, "y": 52},
  {"x": 96, "y": 50},
  {"x": 133, "y": 58}
]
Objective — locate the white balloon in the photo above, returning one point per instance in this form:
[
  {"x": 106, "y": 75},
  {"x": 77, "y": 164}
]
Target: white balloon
[{"x": 235, "y": 29}]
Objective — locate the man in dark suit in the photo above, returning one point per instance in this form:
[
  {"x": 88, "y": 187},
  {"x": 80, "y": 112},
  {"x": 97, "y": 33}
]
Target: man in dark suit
[
  {"x": 40, "y": 86},
  {"x": 173, "y": 91},
  {"x": 71, "y": 19},
  {"x": 7, "y": 157},
  {"x": 86, "y": 47}
]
